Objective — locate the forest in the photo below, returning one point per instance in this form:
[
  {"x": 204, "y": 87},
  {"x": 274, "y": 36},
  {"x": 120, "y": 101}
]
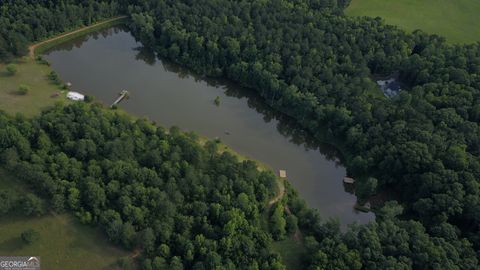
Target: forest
[
  {"x": 309, "y": 61},
  {"x": 184, "y": 205},
  {"x": 25, "y": 21}
]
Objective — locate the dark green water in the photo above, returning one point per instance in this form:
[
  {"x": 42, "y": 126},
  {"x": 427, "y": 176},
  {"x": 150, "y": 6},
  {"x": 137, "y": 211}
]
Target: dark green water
[{"x": 107, "y": 62}]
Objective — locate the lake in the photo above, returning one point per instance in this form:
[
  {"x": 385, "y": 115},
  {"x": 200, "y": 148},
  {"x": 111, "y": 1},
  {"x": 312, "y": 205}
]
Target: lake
[{"x": 107, "y": 62}]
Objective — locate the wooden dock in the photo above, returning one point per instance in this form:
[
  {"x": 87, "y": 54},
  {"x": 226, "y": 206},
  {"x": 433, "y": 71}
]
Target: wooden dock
[
  {"x": 122, "y": 95},
  {"x": 348, "y": 180},
  {"x": 366, "y": 207}
]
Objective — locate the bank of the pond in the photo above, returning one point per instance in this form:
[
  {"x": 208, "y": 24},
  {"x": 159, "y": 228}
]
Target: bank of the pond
[
  {"x": 104, "y": 63},
  {"x": 40, "y": 47}
]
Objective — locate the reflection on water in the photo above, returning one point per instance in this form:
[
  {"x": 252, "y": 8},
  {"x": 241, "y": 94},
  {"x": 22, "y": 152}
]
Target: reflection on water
[
  {"x": 285, "y": 125},
  {"x": 104, "y": 63},
  {"x": 146, "y": 54}
]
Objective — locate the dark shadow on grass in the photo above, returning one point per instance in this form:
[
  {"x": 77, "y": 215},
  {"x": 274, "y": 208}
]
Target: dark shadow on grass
[
  {"x": 12, "y": 244},
  {"x": 4, "y": 74},
  {"x": 101, "y": 246},
  {"x": 15, "y": 93}
]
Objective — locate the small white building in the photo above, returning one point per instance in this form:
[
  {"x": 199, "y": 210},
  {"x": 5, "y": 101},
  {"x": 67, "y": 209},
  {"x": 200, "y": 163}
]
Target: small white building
[{"x": 75, "y": 96}]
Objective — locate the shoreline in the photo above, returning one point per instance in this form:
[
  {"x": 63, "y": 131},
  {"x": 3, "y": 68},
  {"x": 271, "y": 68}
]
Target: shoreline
[{"x": 42, "y": 46}]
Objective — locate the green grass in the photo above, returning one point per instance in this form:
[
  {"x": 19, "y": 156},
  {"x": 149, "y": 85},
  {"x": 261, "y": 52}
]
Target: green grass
[
  {"x": 64, "y": 243},
  {"x": 457, "y": 20},
  {"x": 291, "y": 252},
  {"x": 39, "y": 97}
]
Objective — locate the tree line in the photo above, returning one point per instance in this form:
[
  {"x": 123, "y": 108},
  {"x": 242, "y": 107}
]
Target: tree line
[{"x": 25, "y": 21}]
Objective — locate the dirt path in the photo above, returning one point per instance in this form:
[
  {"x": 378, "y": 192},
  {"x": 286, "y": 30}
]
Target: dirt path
[
  {"x": 135, "y": 253},
  {"x": 297, "y": 236},
  {"x": 32, "y": 48},
  {"x": 279, "y": 196}
]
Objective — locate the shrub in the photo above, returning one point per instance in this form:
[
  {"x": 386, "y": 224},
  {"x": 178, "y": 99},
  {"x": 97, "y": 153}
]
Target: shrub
[
  {"x": 292, "y": 224},
  {"x": 366, "y": 188},
  {"x": 125, "y": 263},
  {"x": 88, "y": 98},
  {"x": 32, "y": 205},
  {"x": 8, "y": 202},
  {"x": 42, "y": 61},
  {"x": 23, "y": 89},
  {"x": 29, "y": 236},
  {"x": 53, "y": 76},
  {"x": 11, "y": 69}
]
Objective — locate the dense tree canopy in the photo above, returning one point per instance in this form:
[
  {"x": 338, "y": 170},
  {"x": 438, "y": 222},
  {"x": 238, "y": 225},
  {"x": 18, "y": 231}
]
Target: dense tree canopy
[
  {"x": 183, "y": 203},
  {"x": 24, "y": 21}
]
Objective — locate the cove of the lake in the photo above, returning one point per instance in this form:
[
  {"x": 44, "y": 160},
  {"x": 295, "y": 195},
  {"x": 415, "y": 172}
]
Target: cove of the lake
[{"x": 104, "y": 63}]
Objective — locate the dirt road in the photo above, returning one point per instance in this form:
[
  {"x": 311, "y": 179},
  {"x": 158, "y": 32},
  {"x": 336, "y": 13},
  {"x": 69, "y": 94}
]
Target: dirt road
[{"x": 32, "y": 48}]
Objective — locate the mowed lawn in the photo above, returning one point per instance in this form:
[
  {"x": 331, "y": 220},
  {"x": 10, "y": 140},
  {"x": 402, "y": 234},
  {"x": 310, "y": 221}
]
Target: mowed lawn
[
  {"x": 457, "y": 20},
  {"x": 39, "y": 97},
  {"x": 64, "y": 243}
]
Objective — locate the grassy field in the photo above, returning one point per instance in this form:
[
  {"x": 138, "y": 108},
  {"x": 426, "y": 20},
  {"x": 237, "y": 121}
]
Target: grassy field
[
  {"x": 291, "y": 252},
  {"x": 63, "y": 243},
  {"x": 41, "y": 89},
  {"x": 458, "y": 21}
]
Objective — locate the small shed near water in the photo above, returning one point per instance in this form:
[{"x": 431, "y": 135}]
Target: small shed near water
[{"x": 282, "y": 174}]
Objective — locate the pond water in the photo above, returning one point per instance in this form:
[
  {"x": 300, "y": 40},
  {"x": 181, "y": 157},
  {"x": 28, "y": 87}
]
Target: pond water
[{"x": 104, "y": 63}]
